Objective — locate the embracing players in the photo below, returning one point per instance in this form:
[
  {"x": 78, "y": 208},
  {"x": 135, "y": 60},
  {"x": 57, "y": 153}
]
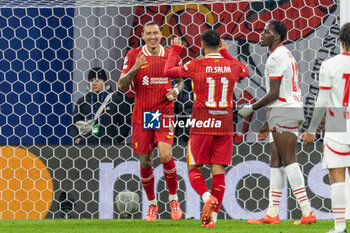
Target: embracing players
[{"x": 213, "y": 78}]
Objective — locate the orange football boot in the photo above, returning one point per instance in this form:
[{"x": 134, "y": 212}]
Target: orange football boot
[
  {"x": 152, "y": 213},
  {"x": 208, "y": 208},
  {"x": 267, "y": 219},
  {"x": 306, "y": 220},
  {"x": 211, "y": 224},
  {"x": 176, "y": 212}
]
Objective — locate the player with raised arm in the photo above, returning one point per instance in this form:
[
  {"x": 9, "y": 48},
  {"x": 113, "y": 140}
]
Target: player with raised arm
[
  {"x": 144, "y": 70},
  {"x": 284, "y": 117},
  {"x": 333, "y": 98},
  {"x": 213, "y": 78}
]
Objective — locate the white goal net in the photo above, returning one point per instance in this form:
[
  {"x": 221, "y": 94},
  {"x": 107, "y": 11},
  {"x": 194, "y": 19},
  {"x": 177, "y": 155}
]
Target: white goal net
[{"x": 46, "y": 51}]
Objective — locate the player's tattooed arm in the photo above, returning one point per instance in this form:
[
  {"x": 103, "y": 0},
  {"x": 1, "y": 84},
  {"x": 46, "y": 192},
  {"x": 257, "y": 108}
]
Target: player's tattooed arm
[
  {"x": 172, "y": 94},
  {"x": 180, "y": 84},
  {"x": 126, "y": 79}
]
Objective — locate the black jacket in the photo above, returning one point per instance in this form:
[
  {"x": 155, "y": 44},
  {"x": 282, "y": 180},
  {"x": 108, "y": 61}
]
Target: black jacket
[{"x": 115, "y": 120}]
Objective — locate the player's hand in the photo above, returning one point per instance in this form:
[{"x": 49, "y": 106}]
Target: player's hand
[
  {"x": 140, "y": 61},
  {"x": 77, "y": 141},
  {"x": 263, "y": 132},
  {"x": 172, "y": 94},
  {"x": 176, "y": 41},
  {"x": 245, "y": 111},
  {"x": 307, "y": 137},
  {"x": 223, "y": 44}
]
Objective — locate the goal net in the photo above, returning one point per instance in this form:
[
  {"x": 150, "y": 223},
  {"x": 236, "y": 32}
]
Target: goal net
[{"x": 47, "y": 49}]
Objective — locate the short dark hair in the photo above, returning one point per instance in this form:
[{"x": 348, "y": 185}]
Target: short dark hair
[
  {"x": 211, "y": 38},
  {"x": 279, "y": 27},
  {"x": 152, "y": 22},
  {"x": 98, "y": 73},
  {"x": 344, "y": 36}
]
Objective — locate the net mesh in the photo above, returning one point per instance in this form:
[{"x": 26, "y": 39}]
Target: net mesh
[{"x": 47, "y": 49}]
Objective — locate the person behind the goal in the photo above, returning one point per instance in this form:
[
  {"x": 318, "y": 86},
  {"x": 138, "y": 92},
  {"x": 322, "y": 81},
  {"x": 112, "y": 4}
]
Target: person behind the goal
[
  {"x": 144, "y": 70},
  {"x": 333, "y": 96},
  {"x": 284, "y": 117},
  {"x": 213, "y": 78}
]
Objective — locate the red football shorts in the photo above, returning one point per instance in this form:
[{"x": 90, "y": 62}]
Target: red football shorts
[
  {"x": 145, "y": 140},
  {"x": 207, "y": 149}
]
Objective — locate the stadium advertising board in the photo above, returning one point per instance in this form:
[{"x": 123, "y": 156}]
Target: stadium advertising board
[{"x": 81, "y": 182}]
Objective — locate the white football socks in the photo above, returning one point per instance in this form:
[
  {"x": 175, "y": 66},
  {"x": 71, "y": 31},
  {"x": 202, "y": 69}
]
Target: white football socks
[
  {"x": 173, "y": 197},
  {"x": 277, "y": 180},
  {"x": 214, "y": 217},
  {"x": 153, "y": 202},
  {"x": 296, "y": 181},
  {"x": 338, "y": 205},
  {"x": 205, "y": 196}
]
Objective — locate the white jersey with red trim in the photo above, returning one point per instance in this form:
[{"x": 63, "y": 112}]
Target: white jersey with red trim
[
  {"x": 282, "y": 65},
  {"x": 335, "y": 76}
]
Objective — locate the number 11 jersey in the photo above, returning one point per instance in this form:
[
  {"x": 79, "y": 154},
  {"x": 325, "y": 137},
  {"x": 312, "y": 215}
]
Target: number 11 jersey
[{"x": 213, "y": 80}]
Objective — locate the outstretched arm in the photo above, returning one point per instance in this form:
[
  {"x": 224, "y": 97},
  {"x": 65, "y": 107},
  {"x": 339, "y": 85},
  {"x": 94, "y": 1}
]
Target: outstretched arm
[
  {"x": 225, "y": 54},
  {"x": 171, "y": 70}
]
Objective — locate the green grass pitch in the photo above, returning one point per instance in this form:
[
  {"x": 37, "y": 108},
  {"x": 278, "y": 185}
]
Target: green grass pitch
[{"x": 160, "y": 226}]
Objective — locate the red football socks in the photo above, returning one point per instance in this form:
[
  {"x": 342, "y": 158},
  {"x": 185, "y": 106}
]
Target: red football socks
[
  {"x": 218, "y": 189},
  {"x": 197, "y": 181},
  {"x": 169, "y": 170},
  {"x": 147, "y": 180}
]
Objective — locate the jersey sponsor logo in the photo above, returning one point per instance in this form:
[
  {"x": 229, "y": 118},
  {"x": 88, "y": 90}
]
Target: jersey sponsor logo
[
  {"x": 159, "y": 80},
  {"x": 145, "y": 80},
  {"x": 151, "y": 120},
  {"x": 154, "y": 80},
  {"x": 271, "y": 69},
  {"x": 218, "y": 69}
]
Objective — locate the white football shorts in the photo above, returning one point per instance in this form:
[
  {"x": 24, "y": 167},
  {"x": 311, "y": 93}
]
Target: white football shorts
[{"x": 335, "y": 155}]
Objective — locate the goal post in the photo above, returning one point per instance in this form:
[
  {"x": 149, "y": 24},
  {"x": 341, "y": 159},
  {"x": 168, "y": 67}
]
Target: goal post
[{"x": 46, "y": 51}]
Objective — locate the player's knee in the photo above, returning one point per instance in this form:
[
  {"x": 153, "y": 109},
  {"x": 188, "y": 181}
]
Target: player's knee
[
  {"x": 337, "y": 175},
  {"x": 276, "y": 163},
  {"x": 197, "y": 167},
  {"x": 217, "y": 169},
  {"x": 164, "y": 156},
  {"x": 145, "y": 161}
]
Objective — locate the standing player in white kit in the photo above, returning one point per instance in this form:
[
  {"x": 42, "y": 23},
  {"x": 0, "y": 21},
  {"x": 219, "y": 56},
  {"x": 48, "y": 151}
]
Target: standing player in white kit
[
  {"x": 333, "y": 98},
  {"x": 284, "y": 117}
]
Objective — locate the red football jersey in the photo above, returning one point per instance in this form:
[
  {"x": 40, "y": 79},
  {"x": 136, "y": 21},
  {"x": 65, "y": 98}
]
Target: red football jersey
[
  {"x": 150, "y": 83},
  {"x": 213, "y": 79}
]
